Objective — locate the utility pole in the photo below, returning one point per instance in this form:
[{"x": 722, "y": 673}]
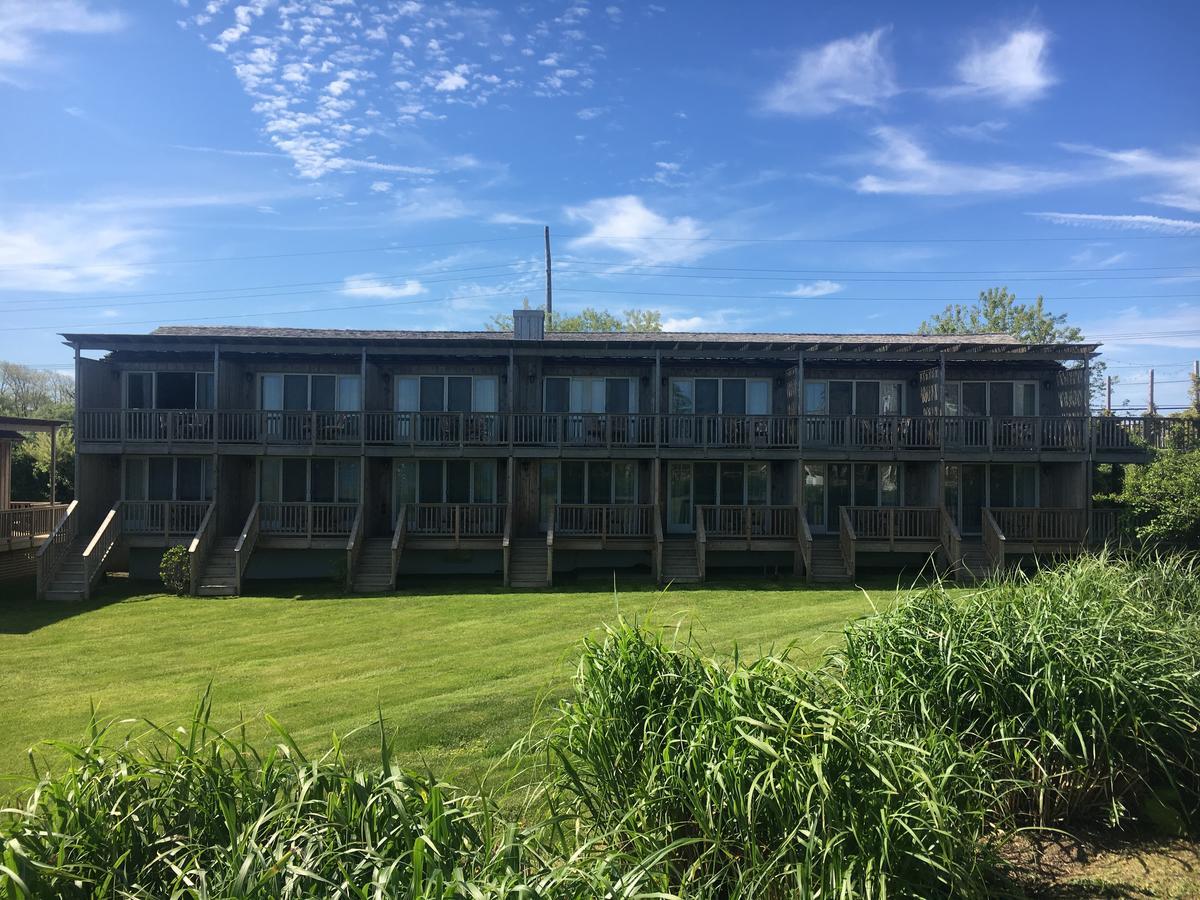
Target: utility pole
[
  {"x": 1108, "y": 396},
  {"x": 1150, "y": 410},
  {"x": 549, "y": 284}
]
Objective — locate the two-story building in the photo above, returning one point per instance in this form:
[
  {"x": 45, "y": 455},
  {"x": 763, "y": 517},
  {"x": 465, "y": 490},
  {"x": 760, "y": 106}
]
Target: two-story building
[{"x": 376, "y": 455}]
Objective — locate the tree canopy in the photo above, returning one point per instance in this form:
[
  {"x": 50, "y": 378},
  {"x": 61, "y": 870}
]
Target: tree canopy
[
  {"x": 998, "y": 310},
  {"x": 589, "y": 319},
  {"x": 1161, "y": 500},
  {"x": 39, "y": 394}
]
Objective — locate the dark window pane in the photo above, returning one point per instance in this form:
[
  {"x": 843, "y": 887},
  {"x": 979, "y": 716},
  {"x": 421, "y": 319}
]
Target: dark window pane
[
  {"x": 841, "y": 398},
  {"x": 176, "y": 390},
  {"x": 458, "y": 481},
  {"x": 189, "y": 482},
  {"x": 616, "y": 399},
  {"x": 733, "y": 396},
  {"x": 1002, "y": 398},
  {"x": 866, "y": 397},
  {"x": 600, "y": 482},
  {"x": 733, "y": 479},
  {"x": 706, "y": 395},
  {"x": 572, "y": 485},
  {"x": 431, "y": 481},
  {"x": 839, "y": 492},
  {"x": 433, "y": 394},
  {"x": 459, "y": 390},
  {"x": 295, "y": 481},
  {"x": 324, "y": 481},
  {"x": 324, "y": 387},
  {"x": 205, "y": 395},
  {"x": 162, "y": 476},
  {"x": 974, "y": 398},
  {"x": 704, "y": 478},
  {"x": 138, "y": 390},
  {"x": 295, "y": 392},
  {"x": 558, "y": 395},
  {"x": 1002, "y": 486},
  {"x": 866, "y": 485}
]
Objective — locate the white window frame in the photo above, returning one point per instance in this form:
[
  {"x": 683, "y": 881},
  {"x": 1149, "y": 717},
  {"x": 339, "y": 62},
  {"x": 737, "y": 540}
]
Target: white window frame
[
  {"x": 593, "y": 384},
  {"x": 308, "y": 376},
  {"x": 987, "y": 393},
  {"x": 757, "y": 380},
  {"x": 208, "y": 478},
  {"x": 854, "y": 383},
  {"x": 154, "y": 373},
  {"x": 337, "y": 481},
  {"x": 475, "y": 380}
]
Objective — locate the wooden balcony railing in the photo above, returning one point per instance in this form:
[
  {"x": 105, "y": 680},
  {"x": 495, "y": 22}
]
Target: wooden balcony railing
[
  {"x": 53, "y": 551},
  {"x": 306, "y": 519},
  {"x": 25, "y": 525},
  {"x": 170, "y": 519},
  {"x": 456, "y": 520},
  {"x": 1041, "y": 526},
  {"x": 620, "y": 520},
  {"x": 103, "y": 542},
  {"x": 749, "y": 522},
  {"x": 896, "y": 523},
  {"x": 606, "y": 430}
]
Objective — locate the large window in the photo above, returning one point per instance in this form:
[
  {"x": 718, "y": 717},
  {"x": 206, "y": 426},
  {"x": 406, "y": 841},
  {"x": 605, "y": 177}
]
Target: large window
[
  {"x": 830, "y": 486},
  {"x": 444, "y": 481},
  {"x": 991, "y": 398},
  {"x": 168, "y": 478},
  {"x": 721, "y": 396},
  {"x": 589, "y": 395},
  {"x": 591, "y": 482},
  {"x": 308, "y": 480},
  {"x": 169, "y": 390},
  {"x": 447, "y": 393},
  {"x": 302, "y": 392},
  {"x": 854, "y": 398}
]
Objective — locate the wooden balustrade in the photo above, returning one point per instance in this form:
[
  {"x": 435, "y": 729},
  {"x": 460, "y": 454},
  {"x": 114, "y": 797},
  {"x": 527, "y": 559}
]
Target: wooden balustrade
[
  {"x": 994, "y": 541},
  {"x": 846, "y": 541},
  {"x": 200, "y": 546},
  {"x": 749, "y": 521},
  {"x": 583, "y": 429},
  {"x": 54, "y": 550},
  {"x": 805, "y": 539},
  {"x": 1028, "y": 525},
  {"x": 354, "y": 545},
  {"x": 762, "y": 432},
  {"x": 146, "y": 425},
  {"x": 550, "y": 549},
  {"x": 99, "y": 547},
  {"x": 457, "y": 520},
  {"x": 618, "y": 520},
  {"x": 658, "y": 543},
  {"x": 1102, "y": 528},
  {"x": 22, "y": 525},
  {"x": 244, "y": 547},
  {"x": 701, "y": 548},
  {"x": 895, "y": 523},
  {"x": 306, "y": 519},
  {"x": 172, "y": 519},
  {"x": 951, "y": 539},
  {"x": 399, "y": 536}
]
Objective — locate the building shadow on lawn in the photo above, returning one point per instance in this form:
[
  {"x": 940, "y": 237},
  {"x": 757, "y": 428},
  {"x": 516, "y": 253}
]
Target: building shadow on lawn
[{"x": 22, "y": 613}]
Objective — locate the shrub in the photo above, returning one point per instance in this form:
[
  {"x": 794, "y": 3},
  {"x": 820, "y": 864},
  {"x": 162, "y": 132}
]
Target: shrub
[
  {"x": 1081, "y": 685},
  {"x": 175, "y": 570},
  {"x": 762, "y": 779},
  {"x": 1161, "y": 500}
]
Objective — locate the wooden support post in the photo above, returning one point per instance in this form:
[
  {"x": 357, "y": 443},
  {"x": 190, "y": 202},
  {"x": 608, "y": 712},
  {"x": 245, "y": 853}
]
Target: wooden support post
[
  {"x": 53, "y": 469},
  {"x": 549, "y": 284}
]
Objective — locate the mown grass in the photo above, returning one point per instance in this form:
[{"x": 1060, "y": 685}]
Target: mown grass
[{"x": 457, "y": 669}]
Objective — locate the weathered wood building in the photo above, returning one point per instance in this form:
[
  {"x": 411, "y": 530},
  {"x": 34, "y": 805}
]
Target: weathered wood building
[{"x": 383, "y": 454}]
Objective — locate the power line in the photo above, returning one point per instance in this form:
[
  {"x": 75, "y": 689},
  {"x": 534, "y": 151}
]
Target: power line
[
  {"x": 841, "y": 299},
  {"x": 962, "y": 240},
  {"x": 1039, "y": 279},
  {"x": 600, "y": 262}
]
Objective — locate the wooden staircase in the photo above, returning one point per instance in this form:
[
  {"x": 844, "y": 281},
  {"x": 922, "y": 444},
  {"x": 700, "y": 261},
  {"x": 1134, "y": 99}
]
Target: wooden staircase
[
  {"x": 373, "y": 573},
  {"x": 219, "y": 575},
  {"x": 680, "y": 563},
  {"x": 69, "y": 580},
  {"x": 828, "y": 565},
  {"x": 974, "y": 565},
  {"x": 527, "y": 563}
]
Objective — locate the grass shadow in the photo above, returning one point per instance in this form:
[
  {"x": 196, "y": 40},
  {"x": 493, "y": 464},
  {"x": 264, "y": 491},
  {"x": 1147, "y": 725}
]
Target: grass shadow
[{"x": 22, "y": 613}]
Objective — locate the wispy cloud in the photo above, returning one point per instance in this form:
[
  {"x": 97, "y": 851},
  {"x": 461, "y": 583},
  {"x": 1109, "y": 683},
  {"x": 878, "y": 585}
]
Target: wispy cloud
[
  {"x": 23, "y": 22},
  {"x": 1013, "y": 70},
  {"x": 627, "y": 225},
  {"x": 505, "y": 218},
  {"x": 821, "y": 288},
  {"x": 850, "y": 72},
  {"x": 72, "y": 252},
  {"x": 1138, "y": 327},
  {"x": 985, "y": 131},
  {"x": 908, "y": 168},
  {"x": 1132, "y": 222},
  {"x": 371, "y": 285},
  {"x": 1179, "y": 176}
]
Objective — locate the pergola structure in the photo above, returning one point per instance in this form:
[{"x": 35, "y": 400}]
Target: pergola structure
[{"x": 25, "y": 524}]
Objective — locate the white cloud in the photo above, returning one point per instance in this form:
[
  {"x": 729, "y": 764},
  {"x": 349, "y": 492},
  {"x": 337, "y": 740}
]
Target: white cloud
[
  {"x": 909, "y": 169},
  {"x": 847, "y": 72},
  {"x": 1137, "y": 327},
  {"x": 591, "y": 112},
  {"x": 627, "y": 225},
  {"x": 1156, "y": 224},
  {"x": 503, "y": 218},
  {"x": 985, "y": 131},
  {"x": 23, "y": 21},
  {"x": 1013, "y": 70},
  {"x": 451, "y": 81},
  {"x": 716, "y": 320},
  {"x": 815, "y": 289},
  {"x": 1180, "y": 175},
  {"x": 371, "y": 285},
  {"x": 380, "y": 187},
  {"x": 72, "y": 252}
]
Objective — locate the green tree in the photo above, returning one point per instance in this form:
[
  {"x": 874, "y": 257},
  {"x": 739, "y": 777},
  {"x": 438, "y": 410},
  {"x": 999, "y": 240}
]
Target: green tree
[
  {"x": 589, "y": 319},
  {"x": 998, "y": 311},
  {"x": 1160, "y": 501},
  {"x": 39, "y": 394}
]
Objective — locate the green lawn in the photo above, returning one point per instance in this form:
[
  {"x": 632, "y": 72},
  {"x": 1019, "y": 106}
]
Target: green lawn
[{"x": 459, "y": 673}]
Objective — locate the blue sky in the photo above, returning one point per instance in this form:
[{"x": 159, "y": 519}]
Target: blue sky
[{"x": 815, "y": 167}]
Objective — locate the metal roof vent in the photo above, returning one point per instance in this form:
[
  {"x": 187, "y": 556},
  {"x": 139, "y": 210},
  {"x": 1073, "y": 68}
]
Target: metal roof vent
[{"x": 529, "y": 325}]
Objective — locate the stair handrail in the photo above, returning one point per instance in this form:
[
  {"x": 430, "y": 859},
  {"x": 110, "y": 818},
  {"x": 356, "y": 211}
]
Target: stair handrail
[
  {"x": 805, "y": 539},
  {"x": 701, "y": 543},
  {"x": 354, "y": 547},
  {"x": 51, "y": 554},
  {"x": 993, "y": 541},
  {"x": 846, "y": 541},
  {"x": 399, "y": 536},
  {"x": 99, "y": 547},
  {"x": 245, "y": 546},
  {"x": 199, "y": 548},
  {"x": 506, "y": 546},
  {"x": 550, "y": 547},
  {"x": 658, "y": 544},
  {"x": 951, "y": 540}
]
